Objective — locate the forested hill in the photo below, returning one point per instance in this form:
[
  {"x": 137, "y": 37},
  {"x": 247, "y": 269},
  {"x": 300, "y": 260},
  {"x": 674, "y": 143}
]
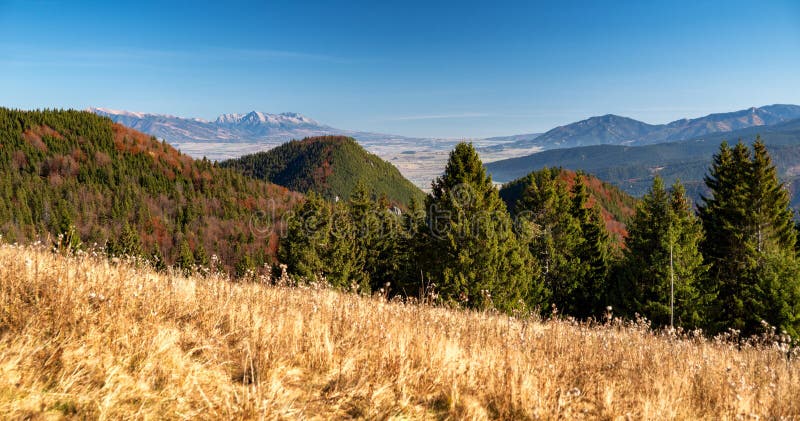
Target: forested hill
[
  {"x": 79, "y": 173},
  {"x": 329, "y": 165},
  {"x": 616, "y": 206}
]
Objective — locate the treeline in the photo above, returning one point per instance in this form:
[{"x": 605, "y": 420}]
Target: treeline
[
  {"x": 94, "y": 183},
  {"x": 731, "y": 265}
]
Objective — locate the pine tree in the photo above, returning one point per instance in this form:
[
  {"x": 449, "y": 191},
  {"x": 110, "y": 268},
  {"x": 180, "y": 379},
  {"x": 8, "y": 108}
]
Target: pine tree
[
  {"x": 555, "y": 235},
  {"x": 200, "y": 256},
  {"x": 127, "y": 245},
  {"x": 769, "y": 209},
  {"x": 245, "y": 267},
  {"x": 344, "y": 256},
  {"x": 363, "y": 212},
  {"x": 322, "y": 245},
  {"x": 410, "y": 242},
  {"x": 750, "y": 243},
  {"x": 662, "y": 257},
  {"x": 594, "y": 257},
  {"x": 303, "y": 249},
  {"x": 129, "y": 241},
  {"x": 473, "y": 254},
  {"x": 185, "y": 260},
  {"x": 69, "y": 241}
]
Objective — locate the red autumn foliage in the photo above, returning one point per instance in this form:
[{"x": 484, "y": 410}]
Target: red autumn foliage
[
  {"x": 34, "y": 136},
  {"x": 600, "y": 193}
]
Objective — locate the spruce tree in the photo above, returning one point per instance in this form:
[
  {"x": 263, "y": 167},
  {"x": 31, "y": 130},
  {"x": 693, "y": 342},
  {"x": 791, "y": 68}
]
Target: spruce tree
[
  {"x": 410, "y": 242},
  {"x": 750, "y": 243},
  {"x": 364, "y": 214},
  {"x": 473, "y": 254},
  {"x": 662, "y": 250},
  {"x": 201, "y": 259},
  {"x": 594, "y": 257},
  {"x": 555, "y": 235},
  {"x": 245, "y": 267},
  {"x": 322, "y": 245},
  {"x": 769, "y": 209},
  {"x": 344, "y": 257},
  {"x": 303, "y": 249},
  {"x": 185, "y": 260}
]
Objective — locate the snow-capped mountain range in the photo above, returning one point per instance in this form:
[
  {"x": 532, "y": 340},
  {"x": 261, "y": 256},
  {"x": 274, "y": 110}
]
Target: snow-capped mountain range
[{"x": 254, "y": 126}]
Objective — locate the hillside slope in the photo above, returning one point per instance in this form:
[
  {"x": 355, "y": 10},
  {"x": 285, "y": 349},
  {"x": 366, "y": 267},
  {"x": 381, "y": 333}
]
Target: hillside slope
[
  {"x": 616, "y": 206},
  {"x": 329, "y": 165},
  {"x": 83, "y": 339},
  {"x": 68, "y": 168}
]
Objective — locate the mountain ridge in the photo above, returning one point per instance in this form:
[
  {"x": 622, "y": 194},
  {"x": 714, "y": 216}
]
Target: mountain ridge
[
  {"x": 619, "y": 130},
  {"x": 633, "y": 168}
]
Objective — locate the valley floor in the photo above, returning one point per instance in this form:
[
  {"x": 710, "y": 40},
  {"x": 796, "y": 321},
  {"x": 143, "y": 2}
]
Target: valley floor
[{"x": 84, "y": 338}]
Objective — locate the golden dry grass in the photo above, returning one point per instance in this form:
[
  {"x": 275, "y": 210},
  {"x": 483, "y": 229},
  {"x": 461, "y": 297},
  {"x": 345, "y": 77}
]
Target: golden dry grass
[{"x": 81, "y": 337}]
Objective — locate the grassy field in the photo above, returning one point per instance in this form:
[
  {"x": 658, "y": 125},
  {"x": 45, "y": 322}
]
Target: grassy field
[{"x": 83, "y": 337}]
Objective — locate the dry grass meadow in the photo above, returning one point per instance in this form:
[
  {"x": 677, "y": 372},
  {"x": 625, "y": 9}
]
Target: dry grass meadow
[{"x": 85, "y": 338}]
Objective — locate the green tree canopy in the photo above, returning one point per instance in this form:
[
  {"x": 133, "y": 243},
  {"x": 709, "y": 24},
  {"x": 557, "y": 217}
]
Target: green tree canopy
[
  {"x": 472, "y": 253},
  {"x": 663, "y": 252}
]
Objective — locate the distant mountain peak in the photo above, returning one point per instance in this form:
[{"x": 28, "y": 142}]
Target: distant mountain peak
[
  {"x": 260, "y": 117},
  {"x": 110, "y": 111},
  {"x": 619, "y": 130}
]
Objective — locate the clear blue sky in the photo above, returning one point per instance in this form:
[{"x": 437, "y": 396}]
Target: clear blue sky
[{"x": 455, "y": 69}]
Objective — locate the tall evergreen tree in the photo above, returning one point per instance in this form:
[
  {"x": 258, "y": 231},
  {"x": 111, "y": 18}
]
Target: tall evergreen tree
[
  {"x": 769, "y": 210},
  {"x": 157, "y": 259},
  {"x": 473, "y": 255},
  {"x": 322, "y": 244},
  {"x": 344, "y": 257},
  {"x": 303, "y": 249},
  {"x": 750, "y": 242},
  {"x": 594, "y": 255},
  {"x": 662, "y": 251},
  {"x": 185, "y": 259},
  {"x": 555, "y": 234},
  {"x": 368, "y": 221},
  {"x": 127, "y": 245},
  {"x": 410, "y": 242},
  {"x": 200, "y": 256}
]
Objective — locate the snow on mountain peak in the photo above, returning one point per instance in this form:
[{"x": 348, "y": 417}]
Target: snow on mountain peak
[
  {"x": 258, "y": 117},
  {"x": 109, "y": 111},
  {"x": 229, "y": 118}
]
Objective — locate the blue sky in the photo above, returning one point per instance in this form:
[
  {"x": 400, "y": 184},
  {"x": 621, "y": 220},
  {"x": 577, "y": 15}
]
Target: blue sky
[{"x": 450, "y": 69}]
